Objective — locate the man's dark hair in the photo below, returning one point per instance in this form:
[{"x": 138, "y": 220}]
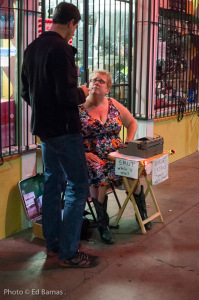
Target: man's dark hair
[{"x": 65, "y": 12}]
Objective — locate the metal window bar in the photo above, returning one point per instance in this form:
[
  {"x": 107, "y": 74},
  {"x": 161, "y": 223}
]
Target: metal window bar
[
  {"x": 119, "y": 45},
  {"x": 85, "y": 42},
  {"x": 18, "y": 106},
  {"x": 130, "y": 61},
  {"x": 93, "y": 35},
  {"x": 98, "y": 52},
  {"x": 148, "y": 57},
  {"x": 104, "y": 36},
  {"x": 135, "y": 62},
  {"x": 31, "y": 17},
  {"x": 125, "y": 30},
  {"x": 110, "y": 19},
  {"x": 7, "y": 31},
  {"x": 9, "y": 66},
  {"x": 153, "y": 51},
  {"x": 114, "y": 45}
]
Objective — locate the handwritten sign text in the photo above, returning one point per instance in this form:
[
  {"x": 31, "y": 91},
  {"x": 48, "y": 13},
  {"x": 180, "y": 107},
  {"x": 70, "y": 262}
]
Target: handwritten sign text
[
  {"x": 160, "y": 169},
  {"x": 127, "y": 168}
]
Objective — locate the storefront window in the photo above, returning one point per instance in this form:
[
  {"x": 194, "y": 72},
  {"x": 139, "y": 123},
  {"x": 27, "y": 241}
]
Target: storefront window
[
  {"x": 18, "y": 27},
  {"x": 177, "y": 58},
  {"x": 8, "y": 54}
]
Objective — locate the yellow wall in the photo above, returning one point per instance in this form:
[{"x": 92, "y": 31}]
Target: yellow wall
[
  {"x": 10, "y": 203},
  {"x": 181, "y": 136}
]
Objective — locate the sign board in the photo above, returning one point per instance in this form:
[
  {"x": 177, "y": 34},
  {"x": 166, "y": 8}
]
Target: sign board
[
  {"x": 31, "y": 190},
  {"x": 127, "y": 168},
  {"x": 160, "y": 169}
]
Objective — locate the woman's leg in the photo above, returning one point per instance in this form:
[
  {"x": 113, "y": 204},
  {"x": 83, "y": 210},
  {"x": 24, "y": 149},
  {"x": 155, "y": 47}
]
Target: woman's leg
[
  {"x": 94, "y": 192},
  {"x": 99, "y": 193},
  {"x": 99, "y": 198},
  {"x": 102, "y": 194}
]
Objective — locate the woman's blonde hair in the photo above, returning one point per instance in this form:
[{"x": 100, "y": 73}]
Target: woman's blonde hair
[{"x": 104, "y": 72}]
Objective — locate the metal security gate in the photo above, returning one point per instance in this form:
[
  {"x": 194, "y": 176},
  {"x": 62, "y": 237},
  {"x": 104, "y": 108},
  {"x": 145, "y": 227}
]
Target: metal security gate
[
  {"x": 166, "y": 59},
  {"x": 104, "y": 41},
  {"x": 177, "y": 58},
  {"x": 109, "y": 29}
]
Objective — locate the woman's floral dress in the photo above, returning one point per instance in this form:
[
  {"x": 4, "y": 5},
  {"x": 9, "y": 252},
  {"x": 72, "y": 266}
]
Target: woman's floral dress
[{"x": 101, "y": 139}]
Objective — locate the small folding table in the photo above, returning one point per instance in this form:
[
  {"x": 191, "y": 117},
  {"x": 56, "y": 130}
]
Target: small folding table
[{"x": 134, "y": 167}]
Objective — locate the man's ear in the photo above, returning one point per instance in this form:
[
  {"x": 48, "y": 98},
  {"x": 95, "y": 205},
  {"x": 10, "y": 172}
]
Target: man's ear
[{"x": 72, "y": 22}]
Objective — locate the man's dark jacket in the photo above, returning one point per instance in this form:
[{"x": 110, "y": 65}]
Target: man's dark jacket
[{"x": 49, "y": 86}]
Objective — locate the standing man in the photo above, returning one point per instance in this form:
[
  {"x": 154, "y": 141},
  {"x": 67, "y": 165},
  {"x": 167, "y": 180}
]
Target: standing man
[{"x": 49, "y": 86}]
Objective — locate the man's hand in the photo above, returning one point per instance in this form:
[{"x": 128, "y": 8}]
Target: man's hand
[{"x": 85, "y": 89}]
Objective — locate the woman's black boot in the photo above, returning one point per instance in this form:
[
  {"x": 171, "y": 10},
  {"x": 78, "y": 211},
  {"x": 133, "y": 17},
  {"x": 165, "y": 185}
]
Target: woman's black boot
[
  {"x": 103, "y": 221},
  {"x": 141, "y": 204}
]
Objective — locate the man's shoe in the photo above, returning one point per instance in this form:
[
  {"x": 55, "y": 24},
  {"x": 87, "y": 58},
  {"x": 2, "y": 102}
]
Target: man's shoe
[{"x": 80, "y": 260}]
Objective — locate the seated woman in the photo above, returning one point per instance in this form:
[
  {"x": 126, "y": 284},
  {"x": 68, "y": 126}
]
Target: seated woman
[{"x": 102, "y": 119}]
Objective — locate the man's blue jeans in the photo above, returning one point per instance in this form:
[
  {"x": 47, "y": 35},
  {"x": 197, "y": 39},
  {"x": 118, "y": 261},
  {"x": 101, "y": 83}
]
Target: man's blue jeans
[{"x": 64, "y": 161}]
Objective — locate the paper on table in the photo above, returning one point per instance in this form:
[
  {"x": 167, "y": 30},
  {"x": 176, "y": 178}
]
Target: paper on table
[{"x": 118, "y": 155}]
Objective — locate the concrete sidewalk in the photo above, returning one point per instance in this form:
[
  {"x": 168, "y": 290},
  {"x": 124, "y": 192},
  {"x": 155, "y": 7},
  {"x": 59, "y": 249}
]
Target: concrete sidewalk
[{"x": 161, "y": 265}]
